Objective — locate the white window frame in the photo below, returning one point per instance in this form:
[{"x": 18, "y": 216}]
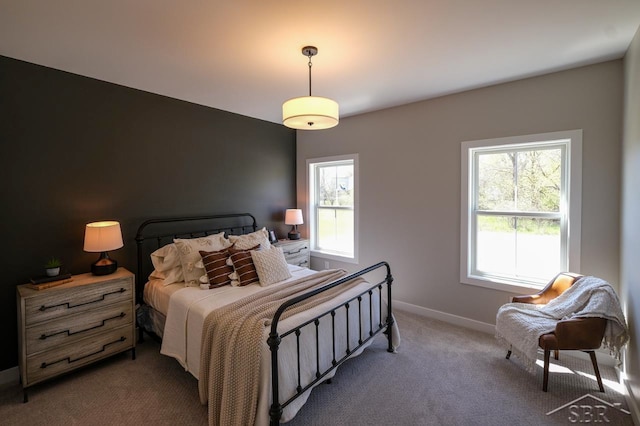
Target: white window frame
[
  {"x": 571, "y": 205},
  {"x": 311, "y": 163}
]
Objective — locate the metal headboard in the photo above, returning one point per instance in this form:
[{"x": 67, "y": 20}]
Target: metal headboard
[{"x": 154, "y": 233}]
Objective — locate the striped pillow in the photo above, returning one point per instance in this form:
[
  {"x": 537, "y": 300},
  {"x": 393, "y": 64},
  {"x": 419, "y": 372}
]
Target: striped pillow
[
  {"x": 215, "y": 263},
  {"x": 244, "y": 268}
]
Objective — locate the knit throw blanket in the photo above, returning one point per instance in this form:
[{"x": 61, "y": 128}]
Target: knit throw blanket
[
  {"x": 520, "y": 325},
  {"x": 232, "y": 346}
]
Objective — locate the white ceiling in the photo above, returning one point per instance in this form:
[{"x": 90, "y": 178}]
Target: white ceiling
[{"x": 244, "y": 56}]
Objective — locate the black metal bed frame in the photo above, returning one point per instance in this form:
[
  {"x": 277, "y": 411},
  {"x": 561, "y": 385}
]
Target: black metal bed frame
[
  {"x": 275, "y": 412},
  {"x": 239, "y": 225}
]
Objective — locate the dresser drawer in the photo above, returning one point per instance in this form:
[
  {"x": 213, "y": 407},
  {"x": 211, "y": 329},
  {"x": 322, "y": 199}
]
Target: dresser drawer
[
  {"x": 299, "y": 260},
  {"x": 68, "y": 357},
  {"x": 56, "y": 304},
  {"x": 295, "y": 249},
  {"x": 72, "y": 328}
]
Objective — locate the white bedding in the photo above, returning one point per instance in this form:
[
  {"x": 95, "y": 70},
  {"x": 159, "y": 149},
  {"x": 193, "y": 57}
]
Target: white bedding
[
  {"x": 157, "y": 295},
  {"x": 187, "y": 308}
]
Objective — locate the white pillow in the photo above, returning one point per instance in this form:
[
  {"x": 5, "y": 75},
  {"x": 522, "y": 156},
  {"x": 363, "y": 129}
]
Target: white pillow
[
  {"x": 189, "y": 252},
  {"x": 173, "y": 275},
  {"x": 247, "y": 241},
  {"x": 165, "y": 258},
  {"x": 166, "y": 261},
  {"x": 156, "y": 275},
  {"x": 271, "y": 265}
]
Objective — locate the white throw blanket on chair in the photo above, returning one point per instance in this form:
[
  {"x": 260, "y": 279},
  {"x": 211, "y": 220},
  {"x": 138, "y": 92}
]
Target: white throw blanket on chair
[{"x": 520, "y": 325}]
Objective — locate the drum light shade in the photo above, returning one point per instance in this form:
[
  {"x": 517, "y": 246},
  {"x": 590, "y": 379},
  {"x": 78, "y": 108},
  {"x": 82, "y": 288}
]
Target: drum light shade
[{"x": 310, "y": 112}]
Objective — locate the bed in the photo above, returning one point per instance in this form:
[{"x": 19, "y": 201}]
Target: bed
[{"x": 259, "y": 349}]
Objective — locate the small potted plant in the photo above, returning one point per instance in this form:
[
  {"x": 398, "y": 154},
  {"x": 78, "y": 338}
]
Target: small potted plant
[{"x": 52, "y": 267}]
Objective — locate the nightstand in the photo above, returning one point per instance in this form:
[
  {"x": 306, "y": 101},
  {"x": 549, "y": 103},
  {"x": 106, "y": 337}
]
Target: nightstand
[
  {"x": 74, "y": 324},
  {"x": 295, "y": 251}
]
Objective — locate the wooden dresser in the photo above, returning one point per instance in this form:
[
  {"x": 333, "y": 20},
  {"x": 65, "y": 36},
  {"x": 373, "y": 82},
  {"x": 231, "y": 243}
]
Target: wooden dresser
[
  {"x": 74, "y": 324},
  {"x": 295, "y": 251}
]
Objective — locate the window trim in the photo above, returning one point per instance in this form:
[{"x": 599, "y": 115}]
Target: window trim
[
  {"x": 574, "y": 205},
  {"x": 311, "y": 208}
]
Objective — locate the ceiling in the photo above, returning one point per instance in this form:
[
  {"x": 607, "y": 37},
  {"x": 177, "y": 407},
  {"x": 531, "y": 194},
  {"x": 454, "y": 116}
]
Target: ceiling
[{"x": 245, "y": 56}]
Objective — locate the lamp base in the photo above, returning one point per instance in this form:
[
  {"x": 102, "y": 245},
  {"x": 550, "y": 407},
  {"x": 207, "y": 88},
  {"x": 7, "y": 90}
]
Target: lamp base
[
  {"x": 104, "y": 265},
  {"x": 294, "y": 235}
]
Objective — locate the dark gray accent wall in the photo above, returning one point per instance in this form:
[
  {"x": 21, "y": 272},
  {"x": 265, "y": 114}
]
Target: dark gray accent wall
[{"x": 75, "y": 150}]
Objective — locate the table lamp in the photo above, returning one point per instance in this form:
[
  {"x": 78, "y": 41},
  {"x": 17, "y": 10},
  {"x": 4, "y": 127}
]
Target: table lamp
[
  {"x": 101, "y": 237},
  {"x": 293, "y": 217}
]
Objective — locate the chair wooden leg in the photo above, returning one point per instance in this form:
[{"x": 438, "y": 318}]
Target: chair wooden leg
[
  {"x": 556, "y": 354},
  {"x": 545, "y": 381},
  {"x": 592, "y": 354}
]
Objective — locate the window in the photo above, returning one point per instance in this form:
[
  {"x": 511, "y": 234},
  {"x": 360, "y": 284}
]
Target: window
[
  {"x": 521, "y": 200},
  {"x": 333, "y": 200}
]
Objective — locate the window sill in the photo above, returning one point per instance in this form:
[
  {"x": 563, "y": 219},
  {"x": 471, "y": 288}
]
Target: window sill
[
  {"x": 502, "y": 284},
  {"x": 333, "y": 256}
]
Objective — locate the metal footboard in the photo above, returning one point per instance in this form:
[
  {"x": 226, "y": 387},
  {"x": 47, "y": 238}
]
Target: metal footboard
[{"x": 356, "y": 302}]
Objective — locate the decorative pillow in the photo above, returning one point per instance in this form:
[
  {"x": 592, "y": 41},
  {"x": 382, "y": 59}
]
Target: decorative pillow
[
  {"x": 243, "y": 266},
  {"x": 246, "y": 241},
  {"x": 215, "y": 263},
  {"x": 271, "y": 266},
  {"x": 189, "y": 251},
  {"x": 233, "y": 250}
]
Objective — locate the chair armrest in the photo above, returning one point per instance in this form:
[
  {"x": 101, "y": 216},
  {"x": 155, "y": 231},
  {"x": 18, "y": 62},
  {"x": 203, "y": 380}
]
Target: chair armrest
[
  {"x": 530, "y": 298},
  {"x": 553, "y": 289},
  {"x": 580, "y": 333}
]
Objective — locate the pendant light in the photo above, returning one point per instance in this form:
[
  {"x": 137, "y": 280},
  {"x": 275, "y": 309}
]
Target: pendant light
[{"x": 310, "y": 112}]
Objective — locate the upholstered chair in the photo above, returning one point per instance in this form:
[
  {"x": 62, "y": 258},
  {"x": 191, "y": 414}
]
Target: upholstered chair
[{"x": 584, "y": 334}]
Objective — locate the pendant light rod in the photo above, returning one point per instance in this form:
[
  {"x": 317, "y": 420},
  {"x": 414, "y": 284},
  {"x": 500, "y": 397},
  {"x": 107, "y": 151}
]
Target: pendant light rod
[
  {"x": 310, "y": 75},
  {"x": 310, "y": 51}
]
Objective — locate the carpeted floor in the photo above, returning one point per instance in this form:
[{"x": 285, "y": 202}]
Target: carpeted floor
[{"x": 441, "y": 375}]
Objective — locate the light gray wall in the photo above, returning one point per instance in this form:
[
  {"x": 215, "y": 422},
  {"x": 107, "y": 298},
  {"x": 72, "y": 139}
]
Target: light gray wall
[
  {"x": 630, "y": 235},
  {"x": 410, "y": 177}
]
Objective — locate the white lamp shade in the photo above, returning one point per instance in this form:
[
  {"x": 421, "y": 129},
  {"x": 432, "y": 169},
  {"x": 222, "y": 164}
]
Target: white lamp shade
[
  {"x": 102, "y": 236},
  {"x": 310, "y": 113},
  {"x": 293, "y": 217}
]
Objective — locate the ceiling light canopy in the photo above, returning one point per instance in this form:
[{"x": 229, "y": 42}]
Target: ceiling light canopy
[{"x": 310, "y": 112}]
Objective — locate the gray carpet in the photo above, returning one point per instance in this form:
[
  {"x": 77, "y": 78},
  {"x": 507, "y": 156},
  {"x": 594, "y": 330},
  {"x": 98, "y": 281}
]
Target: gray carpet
[{"x": 442, "y": 375}]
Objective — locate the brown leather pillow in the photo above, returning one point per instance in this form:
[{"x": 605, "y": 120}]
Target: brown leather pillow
[
  {"x": 244, "y": 267},
  {"x": 215, "y": 263}
]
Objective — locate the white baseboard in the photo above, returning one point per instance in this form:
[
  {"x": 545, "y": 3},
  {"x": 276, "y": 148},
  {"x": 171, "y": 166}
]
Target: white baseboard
[
  {"x": 602, "y": 354},
  {"x": 443, "y": 316},
  {"x": 9, "y": 376}
]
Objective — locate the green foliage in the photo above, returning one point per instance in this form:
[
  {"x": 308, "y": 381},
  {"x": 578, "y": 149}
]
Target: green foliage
[
  {"x": 53, "y": 263},
  {"x": 520, "y": 181}
]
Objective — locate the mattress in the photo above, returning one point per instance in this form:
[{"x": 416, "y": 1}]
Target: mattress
[
  {"x": 186, "y": 308},
  {"x": 184, "y": 343},
  {"x": 157, "y": 295}
]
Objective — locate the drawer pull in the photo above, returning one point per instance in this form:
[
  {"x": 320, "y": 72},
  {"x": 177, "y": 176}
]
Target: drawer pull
[
  {"x": 69, "y": 360},
  {"x": 44, "y": 308},
  {"x": 71, "y": 333},
  {"x": 297, "y": 251}
]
